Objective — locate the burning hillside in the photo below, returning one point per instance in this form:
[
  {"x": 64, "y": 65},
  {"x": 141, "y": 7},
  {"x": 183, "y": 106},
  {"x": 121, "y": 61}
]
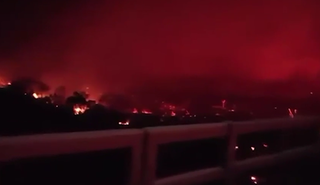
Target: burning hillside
[
  {"x": 53, "y": 108},
  {"x": 178, "y": 102},
  {"x": 81, "y": 101}
]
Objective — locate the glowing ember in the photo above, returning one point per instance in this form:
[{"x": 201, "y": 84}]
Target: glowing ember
[
  {"x": 79, "y": 109},
  {"x": 36, "y": 95},
  {"x": 135, "y": 111},
  {"x": 253, "y": 148},
  {"x": 265, "y": 145},
  {"x": 236, "y": 147},
  {"x": 146, "y": 111},
  {"x": 254, "y": 179},
  {"x": 124, "y": 122},
  {"x": 168, "y": 106},
  {"x": 290, "y": 113}
]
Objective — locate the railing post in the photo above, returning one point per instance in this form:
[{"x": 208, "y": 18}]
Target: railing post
[
  {"x": 136, "y": 164},
  {"x": 149, "y": 160},
  {"x": 318, "y": 128},
  {"x": 231, "y": 154}
]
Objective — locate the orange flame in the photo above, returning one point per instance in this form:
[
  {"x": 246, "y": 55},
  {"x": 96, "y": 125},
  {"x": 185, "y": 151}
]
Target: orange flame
[
  {"x": 36, "y": 95},
  {"x": 124, "y": 122},
  {"x": 79, "y": 109},
  {"x": 146, "y": 111}
]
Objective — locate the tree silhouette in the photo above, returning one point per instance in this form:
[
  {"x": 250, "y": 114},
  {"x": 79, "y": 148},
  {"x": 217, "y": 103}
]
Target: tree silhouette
[
  {"x": 29, "y": 85},
  {"x": 76, "y": 98}
]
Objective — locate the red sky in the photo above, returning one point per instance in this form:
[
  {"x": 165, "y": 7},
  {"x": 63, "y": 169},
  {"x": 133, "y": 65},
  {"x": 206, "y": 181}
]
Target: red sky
[{"x": 112, "y": 45}]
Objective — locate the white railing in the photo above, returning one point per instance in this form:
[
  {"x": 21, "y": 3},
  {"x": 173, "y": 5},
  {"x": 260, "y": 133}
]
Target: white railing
[
  {"x": 162, "y": 135},
  {"x": 67, "y": 143},
  {"x": 234, "y": 167},
  {"x": 144, "y": 144}
]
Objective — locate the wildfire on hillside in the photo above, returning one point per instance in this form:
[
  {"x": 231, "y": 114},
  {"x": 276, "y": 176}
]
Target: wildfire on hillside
[{"x": 163, "y": 108}]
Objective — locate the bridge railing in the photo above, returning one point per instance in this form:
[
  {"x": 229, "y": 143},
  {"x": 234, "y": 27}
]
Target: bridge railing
[
  {"x": 235, "y": 167},
  {"x": 163, "y": 135},
  {"x": 12, "y": 148},
  {"x": 231, "y": 130},
  {"x": 145, "y": 142}
]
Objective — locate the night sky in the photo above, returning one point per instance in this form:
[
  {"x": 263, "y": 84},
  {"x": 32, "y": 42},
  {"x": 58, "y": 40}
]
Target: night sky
[{"x": 113, "y": 45}]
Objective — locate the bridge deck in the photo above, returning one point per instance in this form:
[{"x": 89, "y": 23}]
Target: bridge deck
[{"x": 302, "y": 172}]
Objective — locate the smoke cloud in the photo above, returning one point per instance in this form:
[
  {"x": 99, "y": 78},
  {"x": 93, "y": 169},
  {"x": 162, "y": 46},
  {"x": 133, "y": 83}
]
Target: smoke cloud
[{"x": 111, "y": 46}]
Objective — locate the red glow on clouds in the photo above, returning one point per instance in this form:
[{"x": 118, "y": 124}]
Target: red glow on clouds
[{"x": 111, "y": 46}]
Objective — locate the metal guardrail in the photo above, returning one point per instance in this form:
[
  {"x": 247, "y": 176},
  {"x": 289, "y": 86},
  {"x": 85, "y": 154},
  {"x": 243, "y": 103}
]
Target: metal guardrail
[{"x": 144, "y": 144}]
